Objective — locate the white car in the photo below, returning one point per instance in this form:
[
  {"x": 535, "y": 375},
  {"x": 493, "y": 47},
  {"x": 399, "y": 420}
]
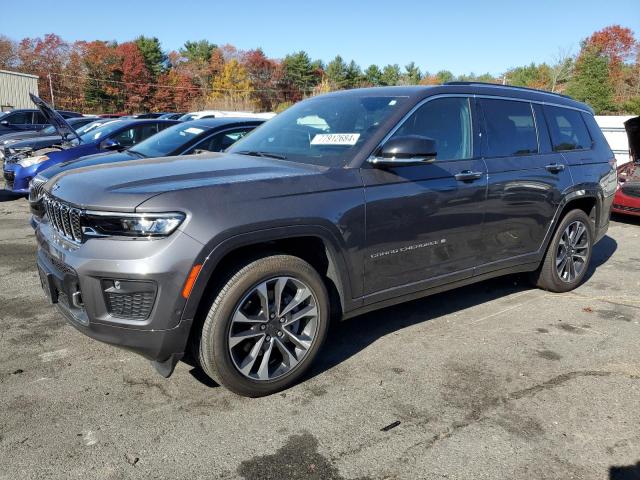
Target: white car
[{"x": 223, "y": 114}]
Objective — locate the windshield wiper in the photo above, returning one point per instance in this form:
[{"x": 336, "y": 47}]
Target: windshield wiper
[{"x": 256, "y": 153}]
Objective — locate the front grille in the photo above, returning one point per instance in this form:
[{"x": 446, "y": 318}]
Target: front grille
[
  {"x": 64, "y": 218},
  {"x": 624, "y": 208},
  {"x": 132, "y": 306},
  {"x": 35, "y": 189},
  {"x": 59, "y": 265}
]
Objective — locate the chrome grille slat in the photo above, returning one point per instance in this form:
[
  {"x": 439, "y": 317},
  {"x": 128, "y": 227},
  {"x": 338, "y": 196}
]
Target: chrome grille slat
[{"x": 63, "y": 218}]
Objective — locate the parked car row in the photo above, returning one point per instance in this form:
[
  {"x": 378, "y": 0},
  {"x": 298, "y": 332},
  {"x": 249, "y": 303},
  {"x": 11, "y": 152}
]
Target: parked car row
[{"x": 27, "y": 158}]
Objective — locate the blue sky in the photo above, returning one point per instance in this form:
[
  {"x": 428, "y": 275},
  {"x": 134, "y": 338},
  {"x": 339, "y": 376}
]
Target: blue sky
[{"x": 462, "y": 36}]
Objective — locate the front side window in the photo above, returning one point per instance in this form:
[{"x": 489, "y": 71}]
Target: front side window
[
  {"x": 448, "y": 122},
  {"x": 511, "y": 129},
  {"x": 39, "y": 118},
  {"x": 19, "y": 118},
  {"x": 325, "y": 131},
  {"x": 567, "y": 128}
]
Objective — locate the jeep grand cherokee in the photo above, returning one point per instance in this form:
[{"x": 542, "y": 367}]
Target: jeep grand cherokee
[{"x": 344, "y": 203}]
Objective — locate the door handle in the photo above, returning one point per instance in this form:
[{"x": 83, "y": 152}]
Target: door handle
[
  {"x": 467, "y": 176},
  {"x": 554, "y": 167}
]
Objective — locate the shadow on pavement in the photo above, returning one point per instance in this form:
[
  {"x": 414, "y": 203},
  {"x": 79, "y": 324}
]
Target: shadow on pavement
[
  {"x": 632, "y": 472},
  {"x": 347, "y": 338}
]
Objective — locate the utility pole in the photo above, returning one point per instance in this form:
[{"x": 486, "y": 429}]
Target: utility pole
[{"x": 53, "y": 102}]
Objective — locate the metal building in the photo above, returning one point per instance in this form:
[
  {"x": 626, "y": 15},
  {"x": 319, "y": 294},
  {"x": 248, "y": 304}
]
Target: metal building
[{"x": 15, "y": 88}]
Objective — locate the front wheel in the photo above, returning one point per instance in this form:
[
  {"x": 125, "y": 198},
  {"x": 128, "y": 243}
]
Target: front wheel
[
  {"x": 265, "y": 327},
  {"x": 567, "y": 259}
]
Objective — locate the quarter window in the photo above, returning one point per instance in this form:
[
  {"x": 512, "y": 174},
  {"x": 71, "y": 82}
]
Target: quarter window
[
  {"x": 511, "y": 129},
  {"x": 567, "y": 128},
  {"x": 448, "y": 122}
]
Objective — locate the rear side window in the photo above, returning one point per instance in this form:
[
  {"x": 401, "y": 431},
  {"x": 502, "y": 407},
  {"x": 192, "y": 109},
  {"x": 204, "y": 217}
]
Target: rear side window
[
  {"x": 567, "y": 128},
  {"x": 511, "y": 129},
  {"x": 19, "y": 118}
]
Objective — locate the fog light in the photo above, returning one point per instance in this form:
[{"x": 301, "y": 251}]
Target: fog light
[{"x": 129, "y": 299}]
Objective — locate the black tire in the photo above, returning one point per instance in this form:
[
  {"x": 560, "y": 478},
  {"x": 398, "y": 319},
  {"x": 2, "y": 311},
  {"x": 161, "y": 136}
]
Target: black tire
[
  {"x": 214, "y": 354},
  {"x": 547, "y": 276}
]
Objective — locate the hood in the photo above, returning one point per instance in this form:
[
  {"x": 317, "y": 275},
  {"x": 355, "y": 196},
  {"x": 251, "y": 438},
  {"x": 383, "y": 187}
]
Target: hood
[
  {"x": 65, "y": 130},
  {"x": 123, "y": 186},
  {"x": 16, "y": 136},
  {"x": 89, "y": 161},
  {"x": 35, "y": 143}
]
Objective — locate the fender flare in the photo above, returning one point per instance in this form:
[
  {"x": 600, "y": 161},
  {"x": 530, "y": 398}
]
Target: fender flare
[{"x": 211, "y": 256}]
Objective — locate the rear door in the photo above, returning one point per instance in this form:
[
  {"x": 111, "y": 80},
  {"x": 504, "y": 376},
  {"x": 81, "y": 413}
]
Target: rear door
[
  {"x": 424, "y": 222},
  {"x": 526, "y": 179}
]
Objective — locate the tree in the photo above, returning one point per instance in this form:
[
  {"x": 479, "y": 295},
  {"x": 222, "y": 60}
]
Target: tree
[
  {"x": 618, "y": 45},
  {"x": 591, "y": 82},
  {"x": 412, "y": 75},
  {"x": 336, "y": 73},
  {"x": 8, "y": 55},
  {"x": 390, "y": 75},
  {"x": 154, "y": 57},
  {"x": 136, "y": 77},
  {"x": 260, "y": 71},
  {"x": 198, "y": 52},
  {"x": 232, "y": 86},
  {"x": 101, "y": 64},
  {"x": 444, "y": 76},
  {"x": 561, "y": 70},
  {"x": 373, "y": 75},
  {"x": 300, "y": 74},
  {"x": 354, "y": 75}
]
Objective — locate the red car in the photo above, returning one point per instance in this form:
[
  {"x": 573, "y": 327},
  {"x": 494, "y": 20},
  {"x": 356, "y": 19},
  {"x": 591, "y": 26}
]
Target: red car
[{"x": 627, "y": 199}]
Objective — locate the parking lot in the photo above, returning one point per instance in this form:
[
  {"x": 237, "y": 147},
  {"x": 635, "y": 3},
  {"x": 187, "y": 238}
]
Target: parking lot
[{"x": 495, "y": 380}]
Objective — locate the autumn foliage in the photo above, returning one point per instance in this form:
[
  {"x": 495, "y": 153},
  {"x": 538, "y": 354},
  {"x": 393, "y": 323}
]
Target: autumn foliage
[{"x": 104, "y": 76}]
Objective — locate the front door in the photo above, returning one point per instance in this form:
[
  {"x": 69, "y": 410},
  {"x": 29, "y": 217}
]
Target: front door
[{"x": 424, "y": 222}]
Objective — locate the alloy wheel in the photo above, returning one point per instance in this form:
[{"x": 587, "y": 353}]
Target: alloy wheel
[
  {"x": 272, "y": 328},
  {"x": 573, "y": 251}
]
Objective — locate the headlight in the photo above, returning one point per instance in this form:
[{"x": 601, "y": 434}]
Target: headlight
[
  {"x": 131, "y": 225},
  {"x": 30, "y": 161}
]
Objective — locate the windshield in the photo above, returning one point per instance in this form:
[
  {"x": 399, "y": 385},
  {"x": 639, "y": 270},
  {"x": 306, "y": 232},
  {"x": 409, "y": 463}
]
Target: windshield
[
  {"x": 325, "y": 131},
  {"x": 168, "y": 140},
  {"x": 89, "y": 133}
]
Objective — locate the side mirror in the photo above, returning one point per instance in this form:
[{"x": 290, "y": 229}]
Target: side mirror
[
  {"x": 4, "y": 123},
  {"x": 110, "y": 144},
  {"x": 405, "y": 151}
]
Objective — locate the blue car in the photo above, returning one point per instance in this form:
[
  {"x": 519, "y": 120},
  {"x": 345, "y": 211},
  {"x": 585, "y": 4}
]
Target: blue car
[{"x": 111, "y": 136}]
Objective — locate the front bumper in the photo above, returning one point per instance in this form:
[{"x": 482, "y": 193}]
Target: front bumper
[
  {"x": 75, "y": 277},
  {"x": 626, "y": 204},
  {"x": 13, "y": 179}
]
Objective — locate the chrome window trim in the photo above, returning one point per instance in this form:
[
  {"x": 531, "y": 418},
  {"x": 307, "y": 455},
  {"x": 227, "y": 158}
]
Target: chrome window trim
[{"x": 422, "y": 102}]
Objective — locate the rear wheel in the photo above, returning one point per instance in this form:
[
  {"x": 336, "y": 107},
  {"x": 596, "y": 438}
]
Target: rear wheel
[
  {"x": 567, "y": 259},
  {"x": 265, "y": 326}
]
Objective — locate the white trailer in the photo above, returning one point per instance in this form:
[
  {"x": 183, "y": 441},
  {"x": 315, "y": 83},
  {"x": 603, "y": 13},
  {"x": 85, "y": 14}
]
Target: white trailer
[{"x": 613, "y": 128}]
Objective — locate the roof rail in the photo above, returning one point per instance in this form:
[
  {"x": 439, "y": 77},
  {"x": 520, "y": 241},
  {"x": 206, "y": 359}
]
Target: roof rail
[{"x": 488, "y": 84}]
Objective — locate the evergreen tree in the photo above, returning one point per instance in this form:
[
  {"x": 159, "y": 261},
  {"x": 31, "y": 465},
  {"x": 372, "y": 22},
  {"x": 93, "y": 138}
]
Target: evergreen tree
[
  {"x": 390, "y": 75},
  {"x": 154, "y": 57},
  {"x": 336, "y": 73},
  {"x": 591, "y": 82},
  {"x": 373, "y": 75}
]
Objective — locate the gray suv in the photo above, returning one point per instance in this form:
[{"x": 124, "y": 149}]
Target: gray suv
[{"x": 344, "y": 203}]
